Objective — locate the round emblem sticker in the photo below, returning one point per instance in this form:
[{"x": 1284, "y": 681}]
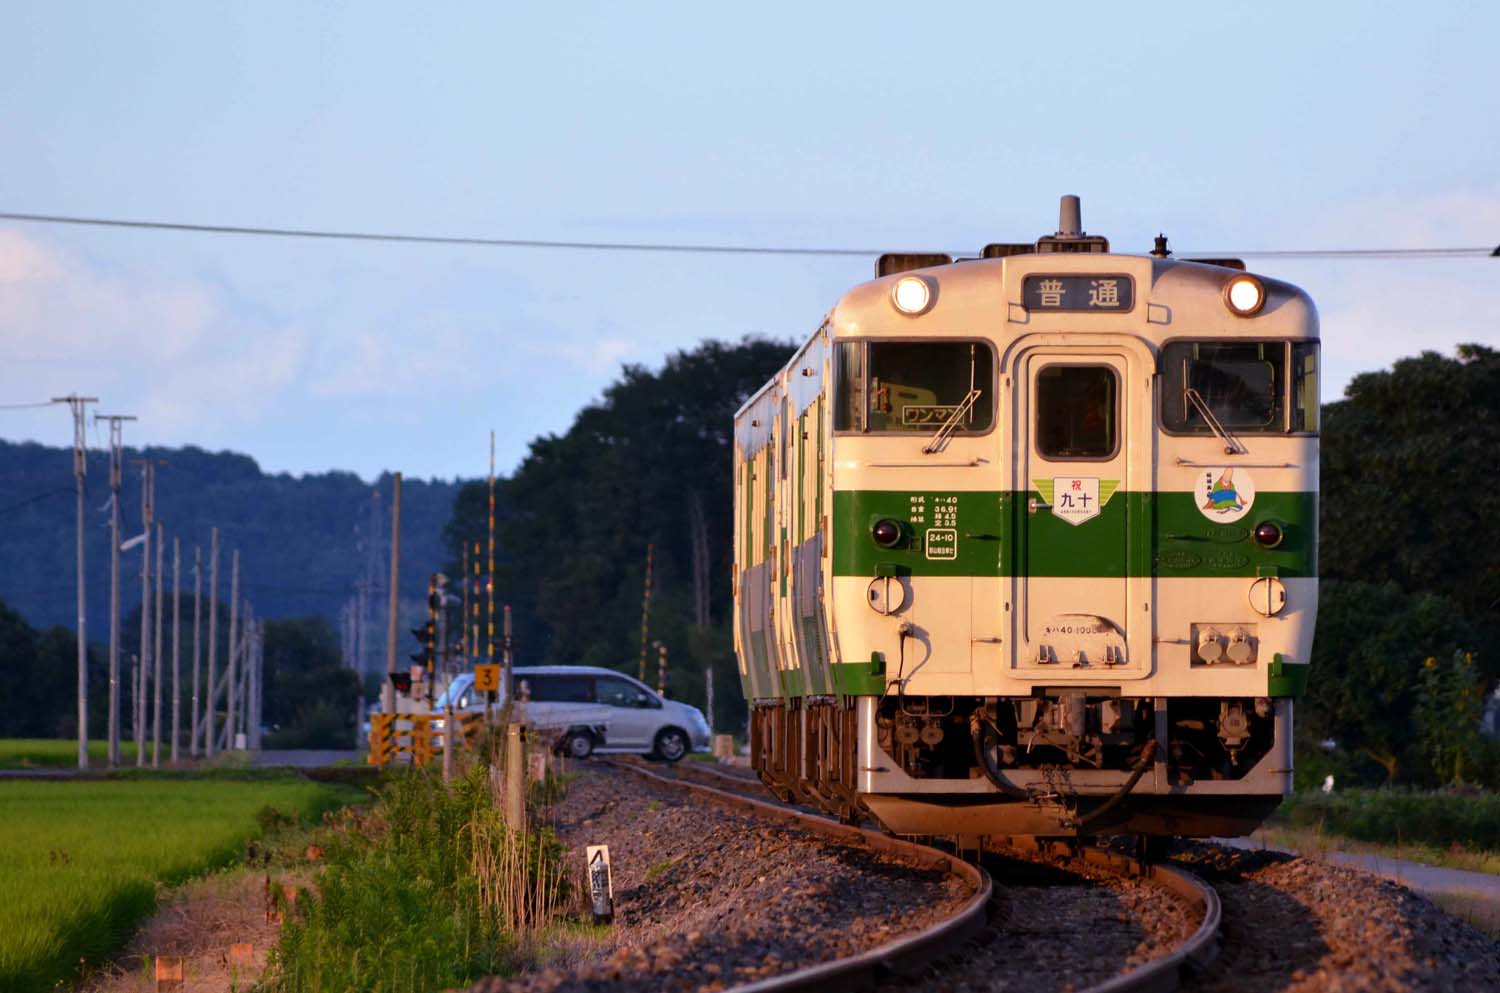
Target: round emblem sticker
[{"x": 1224, "y": 494}]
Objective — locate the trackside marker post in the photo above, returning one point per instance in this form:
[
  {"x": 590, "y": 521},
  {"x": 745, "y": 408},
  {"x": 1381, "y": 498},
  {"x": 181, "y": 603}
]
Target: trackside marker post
[
  {"x": 168, "y": 972},
  {"x": 601, "y": 886}
]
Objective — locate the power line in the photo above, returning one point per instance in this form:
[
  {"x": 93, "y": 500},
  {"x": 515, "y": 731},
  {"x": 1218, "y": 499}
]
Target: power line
[
  {"x": 427, "y": 239},
  {"x": 36, "y": 499},
  {"x": 26, "y": 406},
  {"x": 679, "y": 248}
]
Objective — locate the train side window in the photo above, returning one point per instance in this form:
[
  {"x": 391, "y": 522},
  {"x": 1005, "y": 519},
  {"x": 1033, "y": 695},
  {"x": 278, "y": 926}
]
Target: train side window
[
  {"x": 849, "y": 374},
  {"x": 1241, "y": 383},
  {"x": 1305, "y": 386},
  {"x": 1077, "y": 412}
]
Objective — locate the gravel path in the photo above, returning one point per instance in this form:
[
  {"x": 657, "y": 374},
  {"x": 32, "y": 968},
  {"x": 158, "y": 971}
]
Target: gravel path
[
  {"x": 1302, "y": 926},
  {"x": 706, "y": 898}
]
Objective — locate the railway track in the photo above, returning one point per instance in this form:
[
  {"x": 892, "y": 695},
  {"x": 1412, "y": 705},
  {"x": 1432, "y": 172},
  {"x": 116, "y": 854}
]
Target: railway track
[{"x": 951, "y": 953}]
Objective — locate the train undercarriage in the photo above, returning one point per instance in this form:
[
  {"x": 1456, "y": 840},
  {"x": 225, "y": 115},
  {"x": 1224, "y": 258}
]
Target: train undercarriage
[{"x": 1059, "y": 763}]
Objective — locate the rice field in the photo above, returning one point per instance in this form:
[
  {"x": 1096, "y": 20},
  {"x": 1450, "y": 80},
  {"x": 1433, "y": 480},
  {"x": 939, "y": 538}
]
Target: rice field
[
  {"x": 60, "y": 753},
  {"x": 81, "y": 860}
]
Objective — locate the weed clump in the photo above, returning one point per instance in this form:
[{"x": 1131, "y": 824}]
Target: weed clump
[{"x": 428, "y": 890}]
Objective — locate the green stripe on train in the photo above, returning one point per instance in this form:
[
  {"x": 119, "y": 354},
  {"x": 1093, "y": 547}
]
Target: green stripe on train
[{"x": 998, "y": 533}]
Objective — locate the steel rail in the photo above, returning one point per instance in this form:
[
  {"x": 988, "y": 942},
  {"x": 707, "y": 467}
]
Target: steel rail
[
  {"x": 1161, "y": 974},
  {"x": 900, "y": 957}
]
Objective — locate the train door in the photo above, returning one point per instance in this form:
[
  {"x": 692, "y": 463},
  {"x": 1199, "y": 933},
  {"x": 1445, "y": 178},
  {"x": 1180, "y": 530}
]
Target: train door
[{"x": 1076, "y": 427}]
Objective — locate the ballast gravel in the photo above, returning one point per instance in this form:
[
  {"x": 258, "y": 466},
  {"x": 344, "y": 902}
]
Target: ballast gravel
[
  {"x": 1060, "y": 926},
  {"x": 707, "y": 898},
  {"x": 1298, "y": 925}
]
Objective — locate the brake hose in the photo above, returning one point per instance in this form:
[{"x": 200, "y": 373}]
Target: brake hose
[
  {"x": 981, "y": 756},
  {"x": 1147, "y": 754}
]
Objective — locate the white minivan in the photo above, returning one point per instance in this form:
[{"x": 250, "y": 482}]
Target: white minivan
[{"x": 596, "y": 710}]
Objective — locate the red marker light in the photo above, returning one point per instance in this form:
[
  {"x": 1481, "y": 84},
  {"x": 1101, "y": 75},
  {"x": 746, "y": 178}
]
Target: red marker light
[
  {"x": 886, "y": 532},
  {"x": 1269, "y": 534}
]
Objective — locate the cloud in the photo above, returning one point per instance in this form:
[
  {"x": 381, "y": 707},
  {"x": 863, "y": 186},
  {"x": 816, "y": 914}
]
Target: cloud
[{"x": 167, "y": 351}]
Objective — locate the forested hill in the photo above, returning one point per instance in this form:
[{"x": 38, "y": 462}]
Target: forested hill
[{"x": 301, "y": 538}]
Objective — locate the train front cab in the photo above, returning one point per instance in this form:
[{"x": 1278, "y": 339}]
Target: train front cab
[{"x": 1091, "y": 634}]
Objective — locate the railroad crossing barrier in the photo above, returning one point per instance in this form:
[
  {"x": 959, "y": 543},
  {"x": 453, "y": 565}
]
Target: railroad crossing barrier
[{"x": 413, "y": 739}]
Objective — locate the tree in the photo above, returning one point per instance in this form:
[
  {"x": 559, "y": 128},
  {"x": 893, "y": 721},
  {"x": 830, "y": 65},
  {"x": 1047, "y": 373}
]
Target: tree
[
  {"x": 311, "y": 698},
  {"x": 1407, "y": 463},
  {"x": 1450, "y": 703},
  {"x": 1367, "y": 663},
  {"x": 650, "y": 463}
]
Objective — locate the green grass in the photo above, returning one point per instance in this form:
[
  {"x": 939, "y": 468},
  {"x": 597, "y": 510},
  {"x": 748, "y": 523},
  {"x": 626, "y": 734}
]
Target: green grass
[
  {"x": 408, "y": 902},
  {"x": 1311, "y": 841},
  {"x": 81, "y": 860},
  {"x": 659, "y": 869},
  {"x": 60, "y": 753},
  {"x": 1436, "y": 818}
]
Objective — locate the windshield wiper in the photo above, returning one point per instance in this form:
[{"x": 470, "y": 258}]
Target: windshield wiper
[
  {"x": 938, "y": 440},
  {"x": 1232, "y": 445}
]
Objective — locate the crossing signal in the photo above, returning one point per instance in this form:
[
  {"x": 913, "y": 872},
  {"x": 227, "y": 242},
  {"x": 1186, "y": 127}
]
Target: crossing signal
[
  {"x": 426, "y": 636},
  {"x": 402, "y": 682}
]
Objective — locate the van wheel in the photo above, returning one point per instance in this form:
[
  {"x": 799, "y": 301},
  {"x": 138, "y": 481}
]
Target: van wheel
[
  {"x": 671, "y": 745},
  {"x": 578, "y": 745}
]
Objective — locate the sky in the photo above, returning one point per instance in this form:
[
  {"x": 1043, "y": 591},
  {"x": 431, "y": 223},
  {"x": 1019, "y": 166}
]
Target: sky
[{"x": 884, "y": 126}]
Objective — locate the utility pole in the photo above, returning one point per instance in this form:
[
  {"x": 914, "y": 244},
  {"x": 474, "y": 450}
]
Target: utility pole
[
  {"x": 196, "y": 721},
  {"x": 257, "y": 681},
  {"x": 473, "y": 613},
  {"x": 161, "y": 544},
  {"x": 116, "y": 465},
  {"x": 646, "y": 608},
  {"x": 463, "y": 633},
  {"x": 490, "y": 578},
  {"x": 388, "y": 690},
  {"x": 148, "y": 515},
  {"x": 234, "y": 649},
  {"x": 77, "y": 406},
  {"x": 213, "y": 642},
  {"x": 176, "y": 645}
]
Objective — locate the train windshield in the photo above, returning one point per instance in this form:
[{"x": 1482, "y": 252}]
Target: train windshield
[
  {"x": 907, "y": 386},
  {"x": 1266, "y": 387}
]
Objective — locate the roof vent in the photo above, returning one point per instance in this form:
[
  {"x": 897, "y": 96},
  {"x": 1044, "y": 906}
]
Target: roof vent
[
  {"x": 1070, "y": 235},
  {"x": 893, "y": 262}
]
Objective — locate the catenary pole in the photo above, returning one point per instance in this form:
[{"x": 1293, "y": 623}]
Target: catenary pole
[
  {"x": 213, "y": 643},
  {"x": 195, "y": 721},
  {"x": 77, "y": 406},
  {"x": 161, "y": 544},
  {"x": 148, "y": 471},
  {"x": 176, "y": 646},
  {"x": 232, "y": 663},
  {"x": 388, "y": 691},
  {"x": 116, "y": 473}
]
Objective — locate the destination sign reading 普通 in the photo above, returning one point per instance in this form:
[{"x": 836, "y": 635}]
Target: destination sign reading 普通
[{"x": 1073, "y": 292}]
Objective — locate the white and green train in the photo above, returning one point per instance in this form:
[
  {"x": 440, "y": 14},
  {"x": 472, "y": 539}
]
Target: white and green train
[{"x": 1027, "y": 544}]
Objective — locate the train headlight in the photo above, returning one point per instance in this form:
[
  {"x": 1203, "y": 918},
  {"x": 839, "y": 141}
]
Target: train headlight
[
  {"x": 912, "y": 295},
  {"x": 1245, "y": 295},
  {"x": 1268, "y": 534}
]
